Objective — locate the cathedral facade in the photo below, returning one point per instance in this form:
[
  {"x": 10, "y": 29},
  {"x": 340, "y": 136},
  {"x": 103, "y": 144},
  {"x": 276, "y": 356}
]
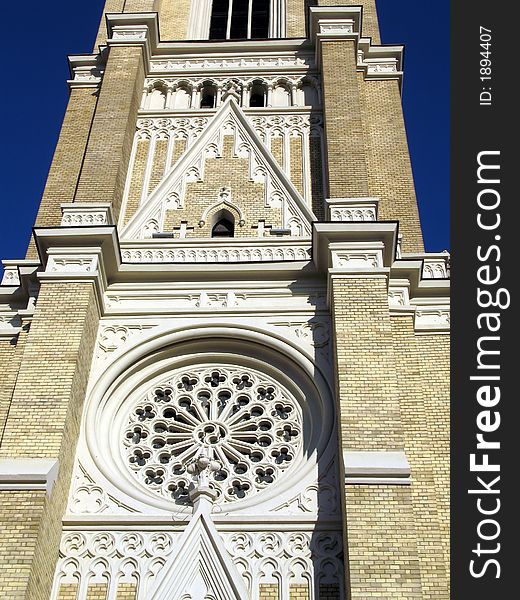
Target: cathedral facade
[{"x": 225, "y": 357}]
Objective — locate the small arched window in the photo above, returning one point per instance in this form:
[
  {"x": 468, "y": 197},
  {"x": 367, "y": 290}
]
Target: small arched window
[
  {"x": 224, "y": 227},
  {"x": 207, "y": 97},
  {"x": 257, "y": 95},
  {"x": 223, "y": 224}
]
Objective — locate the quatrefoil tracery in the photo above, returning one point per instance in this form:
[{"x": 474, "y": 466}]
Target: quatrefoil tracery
[{"x": 243, "y": 419}]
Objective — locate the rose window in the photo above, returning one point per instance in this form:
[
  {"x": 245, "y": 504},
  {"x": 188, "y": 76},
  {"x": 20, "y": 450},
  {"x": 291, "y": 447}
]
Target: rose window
[{"x": 244, "y": 421}]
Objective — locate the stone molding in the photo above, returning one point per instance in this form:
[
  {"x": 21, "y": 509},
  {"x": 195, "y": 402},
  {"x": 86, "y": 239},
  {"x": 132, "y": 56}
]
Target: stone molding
[
  {"x": 28, "y": 474},
  {"x": 337, "y": 249},
  {"x": 376, "y": 468},
  {"x": 86, "y": 71},
  {"x": 352, "y": 209},
  {"x": 18, "y": 293},
  {"x": 76, "y": 214}
]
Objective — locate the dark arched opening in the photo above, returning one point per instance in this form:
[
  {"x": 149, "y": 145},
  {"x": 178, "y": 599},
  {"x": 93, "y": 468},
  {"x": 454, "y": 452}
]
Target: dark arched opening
[{"x": 224, "y": 228}]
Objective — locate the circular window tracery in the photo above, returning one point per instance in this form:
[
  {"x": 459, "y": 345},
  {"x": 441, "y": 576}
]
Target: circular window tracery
[{"x": 243, "y": 420}]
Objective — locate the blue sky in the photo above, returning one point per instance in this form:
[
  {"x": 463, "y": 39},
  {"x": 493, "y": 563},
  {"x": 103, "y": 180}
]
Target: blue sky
[{"x": 35, "y": 96}]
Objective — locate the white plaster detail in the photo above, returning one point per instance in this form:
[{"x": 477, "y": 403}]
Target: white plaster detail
[
  {"x": 11, "y": 275},
  {"x": 331, "y": 26},
  {"x": 28, "y": 474},
  {"x": 88, "y": 498},
  {"x": 72, "y": 264},
  {"x": 314, "y": 333},
  {"x": 192, "y": 252},
  {"x": 353, "y": 209},
  {"x": 286, "y": 557},
  {"x": 357, "y": 255},
  {"x": 10, "y": 324},
  {"x": 236, "y": 63},
  {"x": 376, "y": 467},
  {"x": 84, "y": 214},
  {"x": 432, "y": 318},
  {"x": 126, "y": 557}
]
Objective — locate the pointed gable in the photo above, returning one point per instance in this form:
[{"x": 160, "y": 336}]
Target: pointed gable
[
  {"x": 228, "y": 170},
  {"x": 200, "y": 567}
]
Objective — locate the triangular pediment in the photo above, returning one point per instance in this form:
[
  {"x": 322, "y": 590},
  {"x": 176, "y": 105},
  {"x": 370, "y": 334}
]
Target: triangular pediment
[
  {"x": 260, "y": 190},
  {"x": 200, "y": 567}
]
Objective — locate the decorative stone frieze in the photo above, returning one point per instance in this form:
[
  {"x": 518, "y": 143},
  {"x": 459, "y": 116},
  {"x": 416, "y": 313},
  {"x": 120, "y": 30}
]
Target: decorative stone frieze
[
  {"x": 235, "y": 64},
  {"x": 11, "y": 274},
  {"x": 194, "y": 253},
  {"x": 352, "y": 209},
  {"x": 85, "y": 214},
  {"x": 357, "y": 255},
  {"x": 432, "y": 318}
]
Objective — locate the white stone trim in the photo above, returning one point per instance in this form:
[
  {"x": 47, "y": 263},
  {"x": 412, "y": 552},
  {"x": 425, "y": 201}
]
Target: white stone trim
[
  {"x": 78, "y": 214},
  {"x": 10, "y": 324},
  {"x": 376, "y": 467},
  {"x": 11, "y": 274},
  {"x": 352, "y": 209},
  {"x": 86, "y": 71},
  {"x": 28, "y": 474},
  {"x": 357, "y": 255}
]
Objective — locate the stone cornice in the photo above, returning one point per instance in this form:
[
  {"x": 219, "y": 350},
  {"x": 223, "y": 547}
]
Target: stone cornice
[
  {"x": 86, "y": 70},
  {"x": 18, "y": 293},
  {"x": 338, "y": 250},
  {"x": 28, "y": 474},
  {"x": 326, "y": 23}
]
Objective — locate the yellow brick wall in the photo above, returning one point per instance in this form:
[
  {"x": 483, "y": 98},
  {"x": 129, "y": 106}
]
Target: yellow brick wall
[
  {"x": 387, "y": 157},
  {"x": 347, "y": 168},
  {"x": 137, "y": 178},
  {"x": 295, "y": 18},
  {"x": 126, "y": 591},
  {"x": 179, "y": 148},
  {"x": 68, "y": 591},
  {"x": 11, "y": 353},
  {"x": 423, "y": 379},
  {"x": 231, "y": 172},
  {"x": 269, "y": 591},
  {"x": 20, "y": 513},
  {"x": 434, "y": 353},
  {"x": 44, "y": 422},
  {"x": 366, "y": 366},
  {"x": 173, "y": 19},
  {"x": 97, "y": 591},
  {"x": 382, "y": 543},
  {"x": 159, "y": 164},
  {"x": 299, "y": 591},
  {"x": 68, "y": 156},
  {"x": 296, "y": 149},
  {"x": 108, "y": 151},
  {"x": 381, "y": 539},
  {"x": 137, "y": 6}
]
